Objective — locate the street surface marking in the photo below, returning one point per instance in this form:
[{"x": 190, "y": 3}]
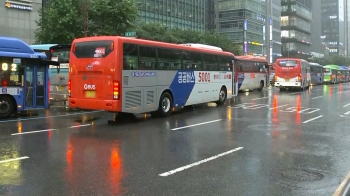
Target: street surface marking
[
  {"x": 24, "y": 119},
  {"x": 34, "y": 132},
  {"x": 278, "y": 107},
  {"x": 294, "y": 93},
  {"x": 260, "y": 98},
  {"x": 342, "y": 185},
  {"x": 346, "y": 113},
  {"x": 249, "y": 106},
  {"x": 15, "y": 159},
  {"x": 203, "y": 123},
  {"x": 198, "y": 163},
  {"x": 313, "y": 119},
  {"x": 296, "y": 109},
  {"x": 80, "y": 126},
  {"x": 316, "y": 97},
  {"x": 346, "y": 105}
]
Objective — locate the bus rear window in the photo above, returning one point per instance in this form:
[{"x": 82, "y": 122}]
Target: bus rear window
[
  {"x": 93, "y": 49},
  {"x": 288, "y": 63},
  {"x": 62, "y": 56}
]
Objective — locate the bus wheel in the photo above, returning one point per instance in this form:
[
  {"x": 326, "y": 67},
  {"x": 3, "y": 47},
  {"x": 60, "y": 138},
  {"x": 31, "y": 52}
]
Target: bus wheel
[
  {"x": 222, "y": 96},
  {"x": 7, "y": 106},
  {"x": 261, "y": 87},
  {"x": 165, "y": 105}
]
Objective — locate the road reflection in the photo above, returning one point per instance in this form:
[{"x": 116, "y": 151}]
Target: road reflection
[{"x": 93, "y": 163}]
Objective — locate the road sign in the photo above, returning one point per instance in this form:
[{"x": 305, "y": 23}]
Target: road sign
[{"x": 130, "y": 34}]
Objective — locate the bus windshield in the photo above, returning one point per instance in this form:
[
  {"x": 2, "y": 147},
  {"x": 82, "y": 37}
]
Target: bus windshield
[{"x": 288, "y": 63}]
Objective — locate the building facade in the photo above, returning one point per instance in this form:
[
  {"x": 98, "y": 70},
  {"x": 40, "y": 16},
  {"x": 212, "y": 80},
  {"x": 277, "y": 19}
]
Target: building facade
[
  {"x": 182, "y": 14},
  {"x": 243, "y": 22},
  {"x": 333, "y": 26},
  {"x": 316, "y": 30},
  {"x": 296, "y": 17},
  {"x": 18, "y": 19},
  {"x": 274, "y": 44}
]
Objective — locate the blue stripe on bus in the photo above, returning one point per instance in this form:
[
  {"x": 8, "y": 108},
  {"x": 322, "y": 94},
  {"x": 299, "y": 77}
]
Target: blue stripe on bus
[{"x": 182, "y": 86}]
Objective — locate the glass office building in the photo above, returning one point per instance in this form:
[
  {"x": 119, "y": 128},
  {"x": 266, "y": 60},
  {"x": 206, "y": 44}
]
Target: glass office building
[
  {"x": 333, "y": 26},
  {"x": 296, "y": 17},
  {"x": 183, "y": 14},
  {"x": 243, "y": 22}
]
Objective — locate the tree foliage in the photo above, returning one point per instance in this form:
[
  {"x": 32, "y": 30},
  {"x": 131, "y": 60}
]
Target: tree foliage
[
  {"x": 158, "y": 32},
  {"x": 64, "y": 20}
]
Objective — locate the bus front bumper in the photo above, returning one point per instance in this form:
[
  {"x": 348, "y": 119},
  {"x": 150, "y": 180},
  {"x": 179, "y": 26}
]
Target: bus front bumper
[{"x": 287, "y": 84}]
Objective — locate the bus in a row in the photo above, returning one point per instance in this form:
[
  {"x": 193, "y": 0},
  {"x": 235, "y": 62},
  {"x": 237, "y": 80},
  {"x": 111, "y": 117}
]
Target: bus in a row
[
  {"x": 24, "y": 80},
  {"x": 58, "y": 79},
  {"x": 127, "y": 75},
  {"x": 300, "y": 74}
]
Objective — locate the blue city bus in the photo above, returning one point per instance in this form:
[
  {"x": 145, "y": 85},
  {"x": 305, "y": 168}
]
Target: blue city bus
[
  {"x": 58, "y": 80},
  {"x": 316, "y": 74},
  {"x": 24, "y": 80}
]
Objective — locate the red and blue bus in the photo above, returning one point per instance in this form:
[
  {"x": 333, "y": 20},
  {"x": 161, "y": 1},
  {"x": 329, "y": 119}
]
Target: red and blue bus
[
  {"x": 292, "y": 73},
  {"x": 24, "y": 77},
  {"x": 252, "y": 72},
  {"x": 127, "y": 75}
]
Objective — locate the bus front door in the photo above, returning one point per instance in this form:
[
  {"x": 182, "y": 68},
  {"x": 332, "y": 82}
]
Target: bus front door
[{"x": 36, "y": 87}]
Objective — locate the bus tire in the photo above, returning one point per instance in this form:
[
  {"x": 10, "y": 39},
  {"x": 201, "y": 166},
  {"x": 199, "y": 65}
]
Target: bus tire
[
  {"x": 165, "y": 105},
  {"x": 261, "y": 87},
  {"x": 222, "y": 96},
  {"x": 7, "y": 106}
]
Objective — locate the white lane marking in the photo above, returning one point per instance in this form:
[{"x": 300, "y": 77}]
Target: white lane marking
[
  {"x": 15, "y": 159},
  {"x": 346, "y": 105},
  {"x": 24, "y": 119},
  {"x": 278, "y": 107},
  {"x": 46, "y": 130},
  {"x": 347, "y": 113},
  {"x": 313, "y": 119},
  {"x": 80, "y": 126},
  {"x": 199, "y": 162},
  {"x": 203, "y": 123},
  {"x": 260, "y": 98},
  {"x": 316, "y": 97}
]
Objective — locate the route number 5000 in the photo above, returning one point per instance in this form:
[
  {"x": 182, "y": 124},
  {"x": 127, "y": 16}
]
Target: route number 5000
[{"x": 204, "y": 77}]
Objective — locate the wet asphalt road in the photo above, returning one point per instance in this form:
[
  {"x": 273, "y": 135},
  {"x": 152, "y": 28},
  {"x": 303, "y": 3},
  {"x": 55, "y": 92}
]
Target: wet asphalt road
[{"x": 261, "y": 143}]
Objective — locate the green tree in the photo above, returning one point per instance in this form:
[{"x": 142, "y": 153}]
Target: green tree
[
  {"x": 59, "y": 23},
  {"x": 64, "y": 20},
  {"x": 337, "y": 60},
  {"x": 111, "y": 17},
  {"x": 158, "y": 32}
]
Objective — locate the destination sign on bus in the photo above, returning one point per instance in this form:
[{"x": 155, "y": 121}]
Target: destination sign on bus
[{"x": 9, "y": 67}]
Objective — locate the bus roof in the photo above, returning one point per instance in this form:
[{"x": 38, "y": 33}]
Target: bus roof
[
  {"x": 251, "y": 58},
  {"x": 13, "y": 47},
  {"x": 149, "y": 42},
  {"x": 291, "y": 59},
  {"x": 332, "y": 66},
  {"x": 316, "y": 64},
  {"x": 42, "y": 46},
  {"x": 344, "y": 67}
]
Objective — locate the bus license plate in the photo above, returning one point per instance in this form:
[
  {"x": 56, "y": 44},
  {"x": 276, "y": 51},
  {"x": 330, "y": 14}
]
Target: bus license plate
[
  {"x": 287, "y": 80},
  {"x": 61, "y": 88},
  {"x": 90, "y": 94}
]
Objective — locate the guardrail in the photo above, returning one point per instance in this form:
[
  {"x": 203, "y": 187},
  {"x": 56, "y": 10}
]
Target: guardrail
[{"x": 344, "y": 188}]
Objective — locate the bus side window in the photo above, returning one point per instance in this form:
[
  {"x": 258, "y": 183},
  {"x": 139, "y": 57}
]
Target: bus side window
[
  {"x": 169, "y": 59},
  {"x": 147, "y": 58},
  {"x": 225, "y": 63},
  {"x": 192, "y": 60},
  {"x": 130, "y": 58},
  {"x": 210, "y": 62}
]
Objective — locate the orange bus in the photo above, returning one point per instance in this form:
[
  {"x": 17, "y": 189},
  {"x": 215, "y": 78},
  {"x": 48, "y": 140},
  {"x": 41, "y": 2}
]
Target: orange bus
[
  {"x": 128, "y": 75},
  {"x": 292, "y": 73}
]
